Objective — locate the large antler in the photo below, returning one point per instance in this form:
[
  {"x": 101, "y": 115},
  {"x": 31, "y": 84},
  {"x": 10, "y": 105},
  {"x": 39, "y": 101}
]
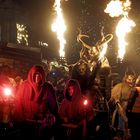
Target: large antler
[
  {"x": 84, "y": 54},
  {"x": 79, "y": 39},
  {"x": 104, "y": 40}
]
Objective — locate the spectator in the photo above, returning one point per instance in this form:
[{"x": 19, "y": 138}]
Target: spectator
[
  {"x": 35, "y": 105},
  {"x": 81, "y": 73},
  {"x": 73, "y": 114}
]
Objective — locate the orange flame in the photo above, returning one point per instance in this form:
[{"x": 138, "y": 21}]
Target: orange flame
[
  {"x": 59, "y": 27},
  {"x": 118, "y": 8}
]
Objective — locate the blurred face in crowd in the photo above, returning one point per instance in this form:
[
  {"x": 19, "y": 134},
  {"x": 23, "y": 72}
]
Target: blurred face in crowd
[
  {"x": 38, "y": 78},
  {"x": 71, "y": 90},
  {"x": 130, "y": 79},
  {"x": 82, "y": 69}
]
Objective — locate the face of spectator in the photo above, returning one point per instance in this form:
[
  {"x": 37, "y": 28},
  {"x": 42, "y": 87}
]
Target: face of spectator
[
  {"x": 38, "y": 78},
  {"x": 82, "y": 69},
  {"x": 71, "y": 90}
]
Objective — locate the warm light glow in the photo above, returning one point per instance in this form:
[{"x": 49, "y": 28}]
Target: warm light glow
[
  {"x": 114, "y": 8},
  {"x": 124, "y": 25},
  {"x": 22, "y": 34},
  {"x": 7, "y": 91},
  {"x": 85, "y": 102},
  {"x": 59, "y": 27},
  {"x": 103, "y": 51},
  {"x": 41, "y": 43}
]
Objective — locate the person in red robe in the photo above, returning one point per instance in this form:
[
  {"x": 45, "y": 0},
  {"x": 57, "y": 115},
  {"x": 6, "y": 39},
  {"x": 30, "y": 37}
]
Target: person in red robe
[{"x": 35, "y": 104}]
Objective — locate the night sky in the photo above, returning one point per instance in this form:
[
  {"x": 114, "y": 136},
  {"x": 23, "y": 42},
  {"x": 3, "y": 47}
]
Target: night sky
[{"x": 89, "y": 16}]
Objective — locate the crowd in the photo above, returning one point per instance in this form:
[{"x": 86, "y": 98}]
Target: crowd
[{"x": 87, "y": 110}]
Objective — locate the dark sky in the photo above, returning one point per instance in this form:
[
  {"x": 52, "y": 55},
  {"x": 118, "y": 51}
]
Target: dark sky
[{"x": 89, "y": 17}]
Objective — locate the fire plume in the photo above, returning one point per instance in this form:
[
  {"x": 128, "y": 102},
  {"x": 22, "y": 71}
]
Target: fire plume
[
  {"x": 121, "y": 8},
  {"x": 59, "y": 27}
]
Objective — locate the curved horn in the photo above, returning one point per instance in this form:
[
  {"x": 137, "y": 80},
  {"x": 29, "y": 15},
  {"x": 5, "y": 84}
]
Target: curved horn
[
  {"x": 79, "y": 39},
  {"x": 105, "y": 39}
]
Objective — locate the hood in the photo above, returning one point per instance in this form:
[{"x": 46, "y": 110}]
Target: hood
[
  {"x": 77, "y": 90},
  {"x": 36, "y": 69}
]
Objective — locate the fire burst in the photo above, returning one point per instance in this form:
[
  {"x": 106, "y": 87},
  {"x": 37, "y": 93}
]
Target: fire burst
[
  {"x": 123, "y": 27},
  {"x": 117, "y": 8},
  {"x": 59, "y": 27}
]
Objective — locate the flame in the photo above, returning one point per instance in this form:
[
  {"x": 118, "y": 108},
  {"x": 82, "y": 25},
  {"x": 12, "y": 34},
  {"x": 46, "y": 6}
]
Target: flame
[
  {"x": 59, "y": 27},
  {"x": 117, "y": 8},
  {"x": 114, "y": 8},
  {"x": 123, "y": 27}
]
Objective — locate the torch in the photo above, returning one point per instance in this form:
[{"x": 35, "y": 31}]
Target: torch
[
  {"x": 85, "y": 103},
  {"x": 7, "y": 104},
  {"x": 7, "y": 91}
]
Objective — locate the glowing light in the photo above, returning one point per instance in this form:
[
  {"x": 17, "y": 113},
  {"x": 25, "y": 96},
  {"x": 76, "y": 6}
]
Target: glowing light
[
  {"x": 59, "y": 27},
  {"x": 85, "y": 102},
  {"x": 22, "y": 34},
  {"x": 124, "y": 25},
  {"x": 43, "y": 44},
  {"x": 114, "y": 8},
  {"x": 103, "y": 52},
  {"x": 7, "y": 91}
]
